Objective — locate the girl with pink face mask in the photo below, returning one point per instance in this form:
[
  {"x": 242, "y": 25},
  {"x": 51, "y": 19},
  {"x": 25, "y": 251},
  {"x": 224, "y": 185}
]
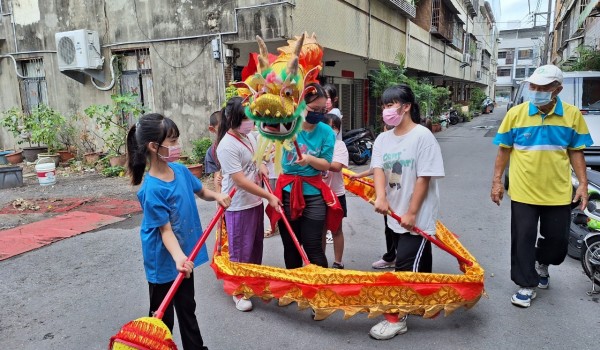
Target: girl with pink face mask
[
  {"x": 406, "y": 163},
  {"x": 170, "y": 225},
  {"x": 236, "y": 146}
]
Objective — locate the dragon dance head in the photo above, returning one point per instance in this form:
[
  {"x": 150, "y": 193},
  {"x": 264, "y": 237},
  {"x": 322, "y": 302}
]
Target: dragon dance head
[{"x": 274, "y": 86}]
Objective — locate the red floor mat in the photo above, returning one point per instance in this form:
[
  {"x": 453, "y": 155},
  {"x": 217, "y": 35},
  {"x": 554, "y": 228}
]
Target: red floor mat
[
  {"x": 38, "y": 234},
  {"x": 106, "y": 206}
]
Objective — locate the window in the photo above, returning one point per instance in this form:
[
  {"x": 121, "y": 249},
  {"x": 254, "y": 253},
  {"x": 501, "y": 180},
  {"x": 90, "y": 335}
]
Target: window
[
  {"x": 485, "y": 59},
  {"x": 525, "y": 54},
  {"x": 501, "y": 54},
  {"x": 590, "y": 94},
  {"x": 504, "y": 72},
  {"x": 510, "y": 57},
  {"x": 33, "y": 87},
  {"x": 136, "y": 70},
  {"x": 520, "y": 73}
]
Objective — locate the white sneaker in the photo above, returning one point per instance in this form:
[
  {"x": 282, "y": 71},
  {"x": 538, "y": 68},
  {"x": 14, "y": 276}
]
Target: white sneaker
[
  {"x": 241, "y": 303},
  {"x": 523, "y": 297},
  {"x": 387, "y": 330}
]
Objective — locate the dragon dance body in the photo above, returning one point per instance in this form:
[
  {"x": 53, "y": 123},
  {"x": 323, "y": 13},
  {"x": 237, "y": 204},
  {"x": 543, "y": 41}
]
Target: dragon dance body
[
  {"x": 329, "y": 290},
  {"x": 273, "y": 88}
]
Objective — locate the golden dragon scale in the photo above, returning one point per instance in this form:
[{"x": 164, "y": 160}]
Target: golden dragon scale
[{"x": 329, "y": 290}]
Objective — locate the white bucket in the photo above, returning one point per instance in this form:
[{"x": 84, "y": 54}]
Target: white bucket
[{"x": 46, "y": 171}]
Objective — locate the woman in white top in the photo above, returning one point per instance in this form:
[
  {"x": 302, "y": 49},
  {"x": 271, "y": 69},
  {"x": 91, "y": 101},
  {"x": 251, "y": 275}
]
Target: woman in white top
[
  {"x": 335, "y": 180},
  {"x": 244, "y": 217},
  {"x": 331, "y": 106},
  {"x": 406, "y": 162}
]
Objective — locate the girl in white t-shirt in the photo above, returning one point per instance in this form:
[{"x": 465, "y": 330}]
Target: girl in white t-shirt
[
  {"x": 244, "y": 217},
  {"x": 334, "y": 179},
  {"x": 406, "y": 162},
  {"x": 331, "y": 106}
]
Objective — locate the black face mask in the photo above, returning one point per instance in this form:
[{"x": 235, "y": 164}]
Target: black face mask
[{"x": 314, "y": 117}]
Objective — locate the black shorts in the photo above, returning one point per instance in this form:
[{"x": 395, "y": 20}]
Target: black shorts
[{"x": 342, "y": 200}]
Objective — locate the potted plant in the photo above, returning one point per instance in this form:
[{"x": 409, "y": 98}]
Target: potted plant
[
  {"x": 45, "y": 130},
  {"x": 112, "y": 121},
  {"x": 199, "y": 149},
  {"x": 19, "y": 125},
  {"x": 435, "y": 124},
  {"x": 87, "y": 144},
  {"x": 15, "y": 157},
  {"x": 3, "y": 155},
  {"x": 67, "y": 135}
]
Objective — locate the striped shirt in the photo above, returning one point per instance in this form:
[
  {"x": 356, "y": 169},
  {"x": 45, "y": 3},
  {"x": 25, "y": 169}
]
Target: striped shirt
[{"x": 539, "y": 163}]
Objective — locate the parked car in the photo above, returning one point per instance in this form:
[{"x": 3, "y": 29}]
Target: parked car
[
  {"x": 581, "y": 89},
  {"x": 487, "y": 106}
]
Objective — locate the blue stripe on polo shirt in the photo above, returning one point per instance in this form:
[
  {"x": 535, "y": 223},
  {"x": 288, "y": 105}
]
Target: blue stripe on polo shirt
[{"x": 543, "y": 135}]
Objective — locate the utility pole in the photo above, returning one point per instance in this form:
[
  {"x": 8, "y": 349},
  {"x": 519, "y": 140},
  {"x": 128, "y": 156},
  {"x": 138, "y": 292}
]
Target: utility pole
[
  {"x": 546, "y": 41},
  {"x": 547, "y": 35}
]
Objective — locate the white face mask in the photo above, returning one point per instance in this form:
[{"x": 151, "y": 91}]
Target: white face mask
[{"x": 540, "y": 98}]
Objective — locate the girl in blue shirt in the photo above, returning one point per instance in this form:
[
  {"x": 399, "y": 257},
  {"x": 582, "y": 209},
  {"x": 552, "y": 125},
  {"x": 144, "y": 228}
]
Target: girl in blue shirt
[{"x": 170, "y": 225}]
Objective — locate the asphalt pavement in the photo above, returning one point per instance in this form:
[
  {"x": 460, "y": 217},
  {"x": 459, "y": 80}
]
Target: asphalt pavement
[{"x": 77, "y": 293}]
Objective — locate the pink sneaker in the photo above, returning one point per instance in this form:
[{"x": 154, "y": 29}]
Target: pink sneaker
[{"x": 382, "y": 264}]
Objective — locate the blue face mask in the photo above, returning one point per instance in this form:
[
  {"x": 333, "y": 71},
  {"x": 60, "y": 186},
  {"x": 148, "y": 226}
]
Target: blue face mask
[
  {"x": 540, "y": 98},
  {"x": 314, "y": 117}
]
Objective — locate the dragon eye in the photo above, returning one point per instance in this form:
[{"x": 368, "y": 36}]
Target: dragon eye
[{"x": 288, "y": 92}]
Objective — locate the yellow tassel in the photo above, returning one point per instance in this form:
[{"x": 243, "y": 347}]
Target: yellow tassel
[
  {"x": 278, "y": 157},
  {"x": 146, "y": 332}
]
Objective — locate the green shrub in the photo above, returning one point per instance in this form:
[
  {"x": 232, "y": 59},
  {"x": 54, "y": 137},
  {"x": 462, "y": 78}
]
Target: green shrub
[
  {"x": 113, "y": 171},
  {"x": 199, "y": 149}
]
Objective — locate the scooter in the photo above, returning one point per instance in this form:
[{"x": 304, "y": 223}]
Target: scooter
[
  {"x": 580, "y": 224},
  {"x": 453, "y": 116},
  {"x": 590, "y": 252},
  {"x": 359, "y": 143}
]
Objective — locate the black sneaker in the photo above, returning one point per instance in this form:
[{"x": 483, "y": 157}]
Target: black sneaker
[{"x": 337, "y": 266}]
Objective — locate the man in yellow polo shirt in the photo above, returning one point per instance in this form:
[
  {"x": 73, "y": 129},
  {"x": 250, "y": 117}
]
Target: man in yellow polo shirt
[{"x": 542, "y": 137}]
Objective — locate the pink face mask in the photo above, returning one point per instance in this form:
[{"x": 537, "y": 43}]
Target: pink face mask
[
  {"x": 173, "y": 155},
  {"x": 246, "y": 127},
  {"x": 391, "y": 116}
]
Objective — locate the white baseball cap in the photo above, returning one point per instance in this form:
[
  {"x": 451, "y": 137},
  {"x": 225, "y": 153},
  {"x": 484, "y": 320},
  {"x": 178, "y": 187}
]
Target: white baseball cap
[{"x": 545, "y": 75}]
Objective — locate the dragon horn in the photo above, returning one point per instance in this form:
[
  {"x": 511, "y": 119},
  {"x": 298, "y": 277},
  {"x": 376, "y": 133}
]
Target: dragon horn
[
  {"x": 292, "y": 67},
  {"x": 263, "y": 57}
]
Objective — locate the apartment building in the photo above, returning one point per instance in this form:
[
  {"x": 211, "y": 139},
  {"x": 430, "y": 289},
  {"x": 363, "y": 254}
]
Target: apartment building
[
  {"x": 576, "y": 23},
  {"x": 179, "y": 56},
  {"x": 519, "y": 54},
  {"x": 454, "y": 44}
]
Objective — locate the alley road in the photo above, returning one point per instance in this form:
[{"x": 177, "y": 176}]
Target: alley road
[{"x": 76, "y": 293}]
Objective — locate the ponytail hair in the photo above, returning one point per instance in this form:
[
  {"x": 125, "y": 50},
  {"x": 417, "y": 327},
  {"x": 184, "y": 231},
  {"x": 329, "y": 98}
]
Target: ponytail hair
[
  {"x": 402, "y": 94},
  {"x": 151, "y": 127},
  {"x": 231, "y": 116}
]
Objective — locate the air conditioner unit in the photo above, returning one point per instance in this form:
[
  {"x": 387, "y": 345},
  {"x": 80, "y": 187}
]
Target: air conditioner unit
[
  {"x": 78, "y": 50},
  {"x": 466, "y": 60}
]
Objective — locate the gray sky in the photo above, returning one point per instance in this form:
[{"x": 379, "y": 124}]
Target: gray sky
[{"x": 517, "y": 10}]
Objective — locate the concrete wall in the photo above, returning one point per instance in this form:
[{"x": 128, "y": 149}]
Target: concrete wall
[{"x": 187, "y": 82}]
